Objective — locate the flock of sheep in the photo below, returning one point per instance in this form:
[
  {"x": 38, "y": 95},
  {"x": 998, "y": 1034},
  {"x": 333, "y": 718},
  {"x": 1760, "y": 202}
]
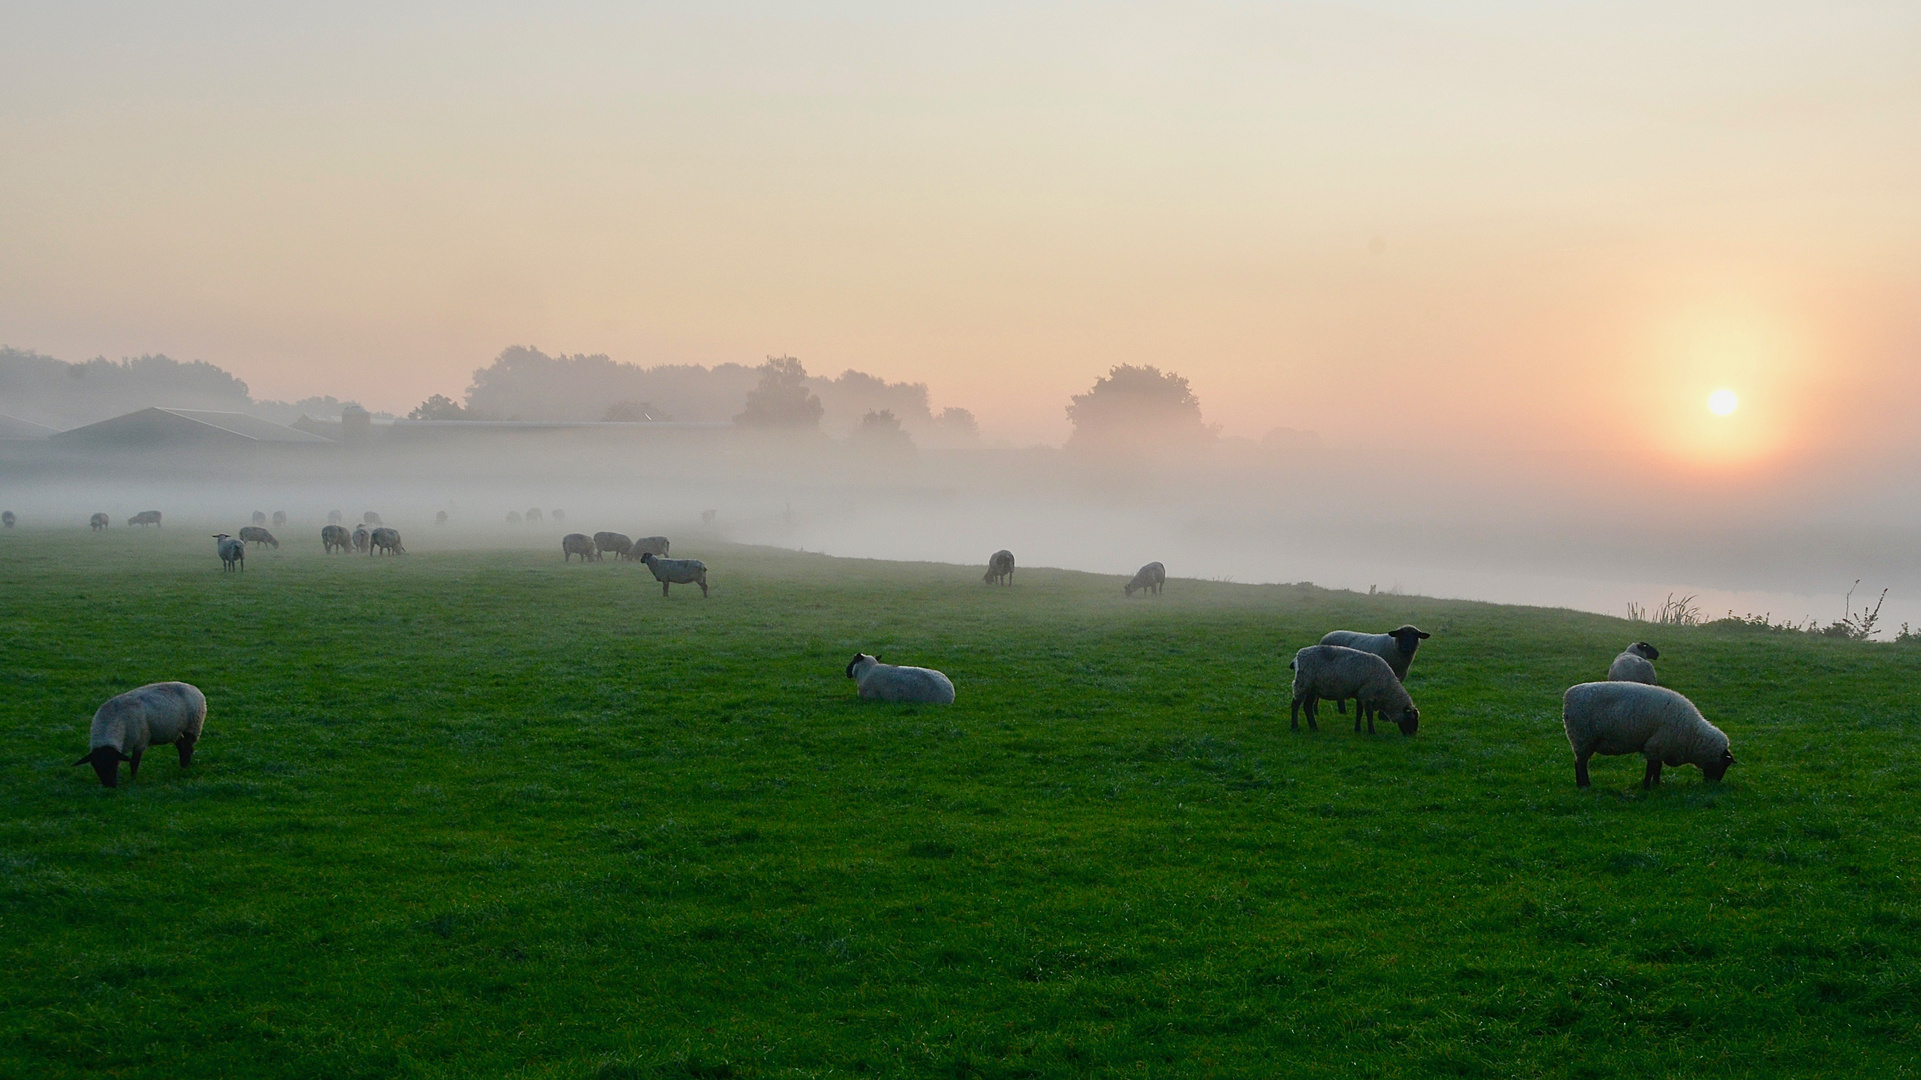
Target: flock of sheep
[{"x": 1627, "y": 713}]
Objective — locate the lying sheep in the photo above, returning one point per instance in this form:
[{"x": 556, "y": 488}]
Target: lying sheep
[
  {"x": 279, "y": 519},
  {"x": 1633, "y": 666},
  {"x": 385, "y": 541},
  {"x": 145, "y": 517},
  {"x": 371, "y": 518},
  {"x": 1337, "y": 672},
  {"x": 259, "y": 517},
  {"x": 440, "y": 518},
  {"x": 254, "y": 534},
  {"x": 649, "y": 545},
  {"x": 1000, "y": 568},
  {"x": 334, "y": 536},
  {"x": 153, "y": 715},
  {"x": 887, "y": 682},
  {"x": 362, "y": 538},
  {"x": 1635, "y": 718},
  {"x": 578, "y": 544},
  {"x": 1396, "y": 646},
  {"x": 233, "y": 553},
  {"x": 614, "y": 542},
  {"x": 1149, "y": 578},
  {"x": 98, "y": 522},
  {"x": 677, "y": 572}
]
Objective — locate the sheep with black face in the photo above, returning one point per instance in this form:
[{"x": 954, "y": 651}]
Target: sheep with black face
[{"x": 153, "y": 715}]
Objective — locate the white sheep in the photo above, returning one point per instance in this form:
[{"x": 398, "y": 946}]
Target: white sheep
[
  {"x": 254, "y": 534},
  {"x": 1635, "y": 718},
  {"x": 362, "y": 539},
  {"x": 1397, "y": 646},
  {"x": 385, "y": 541},
  {"x": 1335, "y": 672},
  {"x": 618, "y": 543},
  {"x": 1150, "y": 577},
  {"x": 1633, "y": 666},
  {"x": 98, "y": 522},
  {"x": 578, "y": 544},
  {"x": 233, "y": 553},
  {"x": 677, "y": 572},
  {"x": 656, "y": 545},
  {"x": 334, "y": 536},
  {"x": 153, "y": 715},
  {"x": 1000, "y": 568},
  {"x": 876, "y": 681}
]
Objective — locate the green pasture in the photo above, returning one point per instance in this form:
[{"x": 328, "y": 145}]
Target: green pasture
[{"x": 475, "y": 814}]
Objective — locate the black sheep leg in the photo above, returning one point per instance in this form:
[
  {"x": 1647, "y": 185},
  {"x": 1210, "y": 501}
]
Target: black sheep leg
[{"x": 1653, "y": 777}]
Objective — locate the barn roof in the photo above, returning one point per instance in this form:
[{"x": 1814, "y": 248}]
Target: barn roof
[
  {"x": 157, "y": 425},
  {"x": 12, "y": 427}
]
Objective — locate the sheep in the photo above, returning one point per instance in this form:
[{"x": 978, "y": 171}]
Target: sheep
[
  {"x": 145, "y": 517},
  {"x": 1633, "y": 666},
  {"x": 1396, "y": 646},
  {"x": 98, "y": 522},
  {"x": 7, "y": 519},
  {"x": 254, "y": 534},
  {"x": 1636, "y": 718},
  {"x": 578, "y": 544},
  {"x": 887, "y": 682},
  {"x": 385, "y": 542},
  {"x": 362, "y": 538},
  {"x": 440, "y": 518},
  {"x": 1337, "y": 672},
  {"x": 614, "y": 542},
  {"x": 707, "y": 517},
  {"x": 513, "y": 517},
  {"x": 1000, "y": 568},
  {"x": 259, "y": 517},
  {"x": 1150, "y": 578},
  {"x": 371, "y": 518},
  {"x": 279, "y": 519},
  {"x": 153, "y": 715},
  {"x": 233, "y": 553},
  {"x": 677, "y": 572},
  {"x": 335, "y": 517},
  {"x": 335, "y": 536},
  {"x": 649, "y": 545},
  {"x": 533, "y": 515}
]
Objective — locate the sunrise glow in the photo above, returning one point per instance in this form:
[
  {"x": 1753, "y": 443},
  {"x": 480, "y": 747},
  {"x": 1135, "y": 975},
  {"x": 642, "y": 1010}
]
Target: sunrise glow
[{"x": 1723, "y": 402}]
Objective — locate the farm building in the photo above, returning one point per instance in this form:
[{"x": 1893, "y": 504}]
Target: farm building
[
  {"x": 12, "y": 427},
  {"x": 159, "y": 428}
]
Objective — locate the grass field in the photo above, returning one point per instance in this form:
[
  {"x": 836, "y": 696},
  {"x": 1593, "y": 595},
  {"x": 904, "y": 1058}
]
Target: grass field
[{"x": 482, "y": 814}]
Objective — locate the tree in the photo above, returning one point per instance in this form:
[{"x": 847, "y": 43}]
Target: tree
[
  {"x": 781, "y": 400},
  {"x": 439, "y": 407},
  {"x": 633, "y": 411},
  {"x": 880, "y": 431},
  {"x": 1138, "y": 407}
]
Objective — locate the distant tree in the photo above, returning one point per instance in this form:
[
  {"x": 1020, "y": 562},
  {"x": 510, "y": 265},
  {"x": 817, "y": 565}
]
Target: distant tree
[
  {"x": 1138, "y": 407},
  {"x": 880, "y": 431},
  {"x": 439, "y": 407},
  {"x": 632, "y": 412},
  {"x": 781, "y": 400}
]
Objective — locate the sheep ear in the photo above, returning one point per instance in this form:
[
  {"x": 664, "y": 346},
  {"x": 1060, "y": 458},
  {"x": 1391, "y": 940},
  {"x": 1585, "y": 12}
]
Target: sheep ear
[
  {"x": 85, "y": 758},
  {"x": 1424, "y": 635}
]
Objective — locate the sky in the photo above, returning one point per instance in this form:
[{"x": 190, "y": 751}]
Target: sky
[{"x": 1527, "y": 238}]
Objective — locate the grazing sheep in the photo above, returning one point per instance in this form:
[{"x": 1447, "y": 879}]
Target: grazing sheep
[
  {"x": 254, "y": 534},
  {"x": 614, "y": 542},
  {"x": 513, "y": 517},
  {"x": 1635, "y": 718},
  {"x": 233, "y": 553},
  {"x": 153, "y": 715},
  {"x": 533, "y": 515},
  {"x": 578, "y": 544},
  {"x": 677, "y": 572},
  {"x": 876, "y": 681},
  {"x": 1150, "y": 578},
  {"x": 279, "y": 519},
  {"x": 1336, "y": 672},
  {"x": 385, "y": 542},
  {"x": 649, "y": 545},
  {"x": 1633, "y": 666},
  {"x": 362, "y": 538},
  {"x": 1000, "y": 568},
  {"x": 7, "y": 519},
  {"x": 371, "y": 518},
  {"x": 98, "y": 522},
  {"x": 335, "y": 517},
  {"x": 335, "y": 536},
  {"x": 259, "y": 517},
  {"x": 1396, "y": 646},
  {"x": 145, "y": 517},
  {"x": 440, "y": 518}
]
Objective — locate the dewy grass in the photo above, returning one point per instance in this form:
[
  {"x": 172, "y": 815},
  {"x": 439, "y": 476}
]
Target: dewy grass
[{"x": 484, "y": 814}]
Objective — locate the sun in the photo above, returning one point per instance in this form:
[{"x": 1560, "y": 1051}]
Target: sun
[{"x": 1723, "y": 403}]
